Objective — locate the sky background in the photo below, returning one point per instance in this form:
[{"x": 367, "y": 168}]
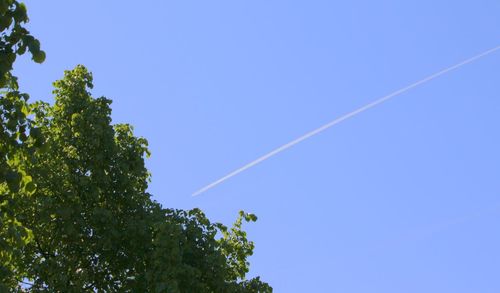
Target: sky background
[{"x": 403, "y": 198}]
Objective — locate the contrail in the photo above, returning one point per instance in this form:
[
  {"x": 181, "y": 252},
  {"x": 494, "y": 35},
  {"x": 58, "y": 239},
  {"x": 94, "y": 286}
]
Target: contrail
[{"x": 342, "y": 118}]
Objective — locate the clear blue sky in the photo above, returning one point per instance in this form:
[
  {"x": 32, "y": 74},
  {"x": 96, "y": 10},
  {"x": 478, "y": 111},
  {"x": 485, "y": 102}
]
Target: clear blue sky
[{"x": 399, "y": 199}]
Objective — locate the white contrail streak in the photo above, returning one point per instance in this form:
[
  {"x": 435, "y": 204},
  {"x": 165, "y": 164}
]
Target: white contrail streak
[{"x": 342, "y": 118}]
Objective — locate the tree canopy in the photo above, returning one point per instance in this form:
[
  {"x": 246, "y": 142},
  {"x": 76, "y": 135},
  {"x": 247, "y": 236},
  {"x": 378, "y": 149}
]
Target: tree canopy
[
  {"x": 75, "y": 214},
  {"x": 15, "y": 40}
]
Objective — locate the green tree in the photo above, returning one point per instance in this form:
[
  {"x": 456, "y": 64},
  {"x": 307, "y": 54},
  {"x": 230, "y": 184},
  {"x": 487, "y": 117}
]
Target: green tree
[
  {"x": 15, "y": 40},
  {"x": 75, "y": 215},
  {"x": 93, "y": 224}
]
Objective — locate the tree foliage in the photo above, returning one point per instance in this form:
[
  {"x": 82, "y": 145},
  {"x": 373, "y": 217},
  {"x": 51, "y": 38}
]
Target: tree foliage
[
  {"x": 95, "y": 227},
  {"x": 75, "y": 214},
  {"x": 15, "y": 40}
]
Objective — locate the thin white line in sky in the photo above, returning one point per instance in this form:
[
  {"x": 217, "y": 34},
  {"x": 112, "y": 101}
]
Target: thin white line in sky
[{"x": 342, "y": 118}]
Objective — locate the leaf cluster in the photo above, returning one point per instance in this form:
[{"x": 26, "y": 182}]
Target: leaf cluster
[{"x": 15, "y": 138}]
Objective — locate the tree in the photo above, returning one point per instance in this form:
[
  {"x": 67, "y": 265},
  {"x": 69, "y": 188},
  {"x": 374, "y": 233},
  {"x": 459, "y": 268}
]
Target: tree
[
  {"x": 95, "y": 227},
  {"x": 75, "y": 212},
  {"x": 15, "y": 40}
]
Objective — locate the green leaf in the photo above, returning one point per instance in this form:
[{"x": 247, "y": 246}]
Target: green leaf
[
  {"x": 39, "y": 56},
  {"x": 30, "y": 187},
  {"x": 13, "y": 179},
  {"x": 5, "y": 22},
  {"x": 25, "y": 110}
]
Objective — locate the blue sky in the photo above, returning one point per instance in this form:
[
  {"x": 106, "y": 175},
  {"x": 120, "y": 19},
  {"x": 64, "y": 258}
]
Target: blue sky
[{"x": 403, "y": 198}]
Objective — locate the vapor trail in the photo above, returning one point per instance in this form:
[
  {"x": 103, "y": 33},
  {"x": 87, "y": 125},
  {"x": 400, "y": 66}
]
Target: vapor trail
[{"x": 342, "y": 118}]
